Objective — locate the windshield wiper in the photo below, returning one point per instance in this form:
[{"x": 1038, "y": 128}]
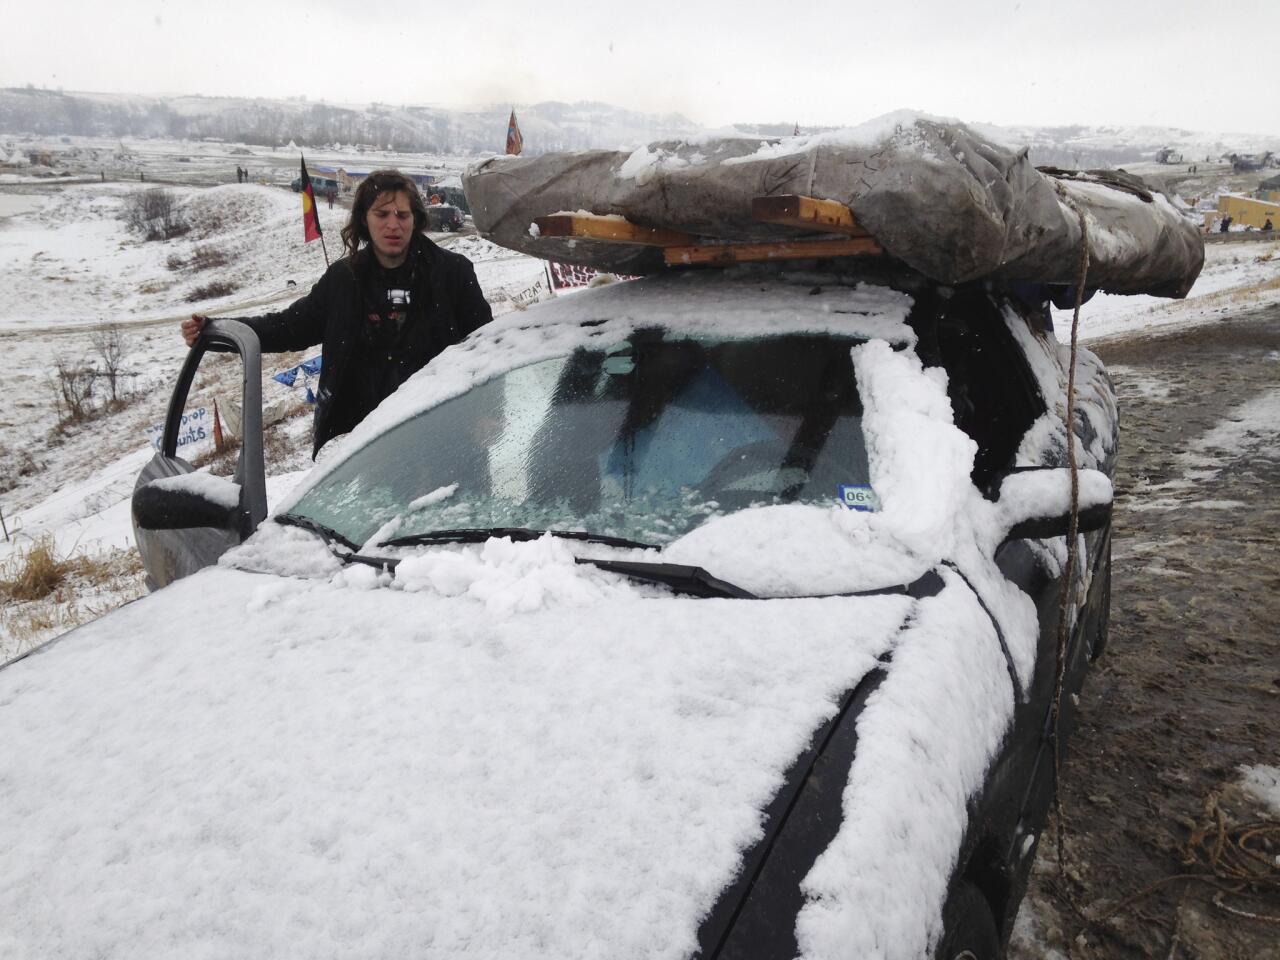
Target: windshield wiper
[
  {"x": 682, "y": 579},
  {"x": 315, "y": 526},
  {"x": 481, "y": 534}
]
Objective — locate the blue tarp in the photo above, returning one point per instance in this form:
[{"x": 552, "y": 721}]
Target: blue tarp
[{"x": 307, "y": 368}]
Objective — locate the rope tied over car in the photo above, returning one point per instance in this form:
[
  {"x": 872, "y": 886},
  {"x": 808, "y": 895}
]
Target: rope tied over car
[
  {"x": 1237, "y": 859},
  {"x": 1073, "y": 532}
]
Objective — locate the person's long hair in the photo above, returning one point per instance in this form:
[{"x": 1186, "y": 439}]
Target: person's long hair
[{"x": 356, "y": 232}]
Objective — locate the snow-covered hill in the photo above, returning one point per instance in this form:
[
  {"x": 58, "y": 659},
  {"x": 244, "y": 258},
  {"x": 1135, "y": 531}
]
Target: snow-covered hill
[{"x": 546, "y": 126}]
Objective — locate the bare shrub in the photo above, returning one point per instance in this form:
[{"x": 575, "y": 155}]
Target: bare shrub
[
  {"x": 111, "y": 347},
  {"x": 207, "y": 256},
  {"x": 73, "y": 389},
  {"x": 204, "y": 257},
  {"x": 154, "y": 214},
  {"x": 211, "y": 222},
  {"x": 211, "y": 291}
]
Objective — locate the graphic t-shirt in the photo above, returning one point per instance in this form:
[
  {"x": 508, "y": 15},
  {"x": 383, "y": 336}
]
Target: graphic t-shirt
[{"x": 395, "y": 336}]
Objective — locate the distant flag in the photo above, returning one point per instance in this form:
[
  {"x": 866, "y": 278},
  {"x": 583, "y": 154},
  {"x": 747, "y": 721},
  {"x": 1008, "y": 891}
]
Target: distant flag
[
  {"x": 310, "y": 215},
  {"x": 219, "y": 444},
  {"x": 515, "y": 142}
]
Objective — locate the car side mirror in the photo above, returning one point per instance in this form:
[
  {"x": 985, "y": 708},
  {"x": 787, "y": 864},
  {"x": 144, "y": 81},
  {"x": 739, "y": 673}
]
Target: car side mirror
[
  {"x": 189, "y": 500},
  {"x": 1035, "y": 502}
]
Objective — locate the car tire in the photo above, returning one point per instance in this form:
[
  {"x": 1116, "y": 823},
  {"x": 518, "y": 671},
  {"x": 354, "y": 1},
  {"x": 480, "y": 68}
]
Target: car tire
[{"x": 969, "y": 929}]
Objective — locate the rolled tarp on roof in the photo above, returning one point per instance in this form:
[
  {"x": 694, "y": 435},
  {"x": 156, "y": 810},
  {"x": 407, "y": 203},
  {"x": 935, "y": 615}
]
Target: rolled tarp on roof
[{"x": 935, "y": 194}]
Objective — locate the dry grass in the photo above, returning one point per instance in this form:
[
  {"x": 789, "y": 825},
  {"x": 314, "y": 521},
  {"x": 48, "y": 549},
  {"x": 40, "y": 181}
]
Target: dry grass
[
  {"x": 38, "y": 571},
  {"x": 1242, "y": 295},
  {"x": 205, "y": 257},
  {"x": 277, "y": 446},
  {"x": 32, "y": 574},
  {"x": 221, "y": 463},
  {"x": 45, "y": 595},
  {"x": 211, "y": 291},
  {"x": 1239, "y": 294}
]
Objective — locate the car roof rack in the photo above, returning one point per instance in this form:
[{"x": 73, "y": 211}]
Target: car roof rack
[{"x": 680, "y": 249}]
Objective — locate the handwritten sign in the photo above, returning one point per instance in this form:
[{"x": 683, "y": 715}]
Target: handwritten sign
[{"x": 196, "y": 425}]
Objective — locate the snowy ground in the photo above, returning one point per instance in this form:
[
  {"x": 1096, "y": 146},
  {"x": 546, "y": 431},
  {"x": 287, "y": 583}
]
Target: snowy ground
[{"x": 1235, "y": 276}]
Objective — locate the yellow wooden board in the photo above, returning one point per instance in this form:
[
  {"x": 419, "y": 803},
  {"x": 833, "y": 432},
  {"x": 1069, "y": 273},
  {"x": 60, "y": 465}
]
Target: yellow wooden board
[
  {"x": 784, "y": 250},
  {"x": 589, "y": 226},
  {"x": 807, "y": 213}
]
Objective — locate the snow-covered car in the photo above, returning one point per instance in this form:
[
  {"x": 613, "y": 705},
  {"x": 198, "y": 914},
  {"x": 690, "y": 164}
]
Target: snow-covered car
[{"x": 712, "y": 614}]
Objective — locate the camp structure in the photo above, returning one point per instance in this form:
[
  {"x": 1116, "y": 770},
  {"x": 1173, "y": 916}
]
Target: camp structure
[{"x": 933, "y": 195}]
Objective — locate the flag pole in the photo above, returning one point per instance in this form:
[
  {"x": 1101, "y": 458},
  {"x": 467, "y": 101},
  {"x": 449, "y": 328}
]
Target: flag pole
[{"x": 311, "y": 209}]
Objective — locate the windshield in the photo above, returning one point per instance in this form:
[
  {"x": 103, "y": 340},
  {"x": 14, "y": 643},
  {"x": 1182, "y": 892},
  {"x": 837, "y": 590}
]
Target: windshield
[{"x": 644, "y": 440}]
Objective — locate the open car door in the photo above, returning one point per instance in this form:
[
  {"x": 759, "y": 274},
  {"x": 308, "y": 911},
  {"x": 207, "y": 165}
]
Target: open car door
[{"x": 183, "y": 521}]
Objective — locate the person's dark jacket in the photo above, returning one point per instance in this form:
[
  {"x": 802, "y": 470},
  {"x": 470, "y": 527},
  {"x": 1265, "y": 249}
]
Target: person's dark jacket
[{"x": 333, "y": 312}]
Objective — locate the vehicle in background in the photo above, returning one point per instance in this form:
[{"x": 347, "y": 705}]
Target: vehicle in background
[
  {"x": 319, "y": 185},
  {"x": 444, "y": 218}
]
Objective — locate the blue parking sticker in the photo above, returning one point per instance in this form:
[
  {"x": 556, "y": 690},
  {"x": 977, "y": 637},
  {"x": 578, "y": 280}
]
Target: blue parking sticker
[{"x": 858, "y": 497}]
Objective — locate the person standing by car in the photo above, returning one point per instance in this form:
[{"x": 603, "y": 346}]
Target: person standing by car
[{"x": 381, "y": 312}]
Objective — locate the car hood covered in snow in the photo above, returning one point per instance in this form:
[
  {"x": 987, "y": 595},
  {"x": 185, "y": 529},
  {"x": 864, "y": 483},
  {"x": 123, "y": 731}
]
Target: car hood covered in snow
[{"x": 258, "y": 767}]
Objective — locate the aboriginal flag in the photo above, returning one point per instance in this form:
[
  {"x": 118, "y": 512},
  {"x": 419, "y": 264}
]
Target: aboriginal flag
[
  {"x": 515, "y": 142},
  {"x": 310, "y": 215}
]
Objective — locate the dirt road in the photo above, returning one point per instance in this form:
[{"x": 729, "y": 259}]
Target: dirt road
[{"x": 1189, "y": 690}]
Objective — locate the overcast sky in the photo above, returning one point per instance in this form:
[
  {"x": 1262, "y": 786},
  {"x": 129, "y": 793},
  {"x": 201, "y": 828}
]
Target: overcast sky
[{"x": 1186, "y": 63}]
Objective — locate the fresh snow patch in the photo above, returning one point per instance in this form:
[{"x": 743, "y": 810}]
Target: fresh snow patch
[
  {"x": 1263, "y": 782},
  {"x": 324, "y": 772},
  {"x": 218, "y": 490},
  {"x": 435, "y": 496}
]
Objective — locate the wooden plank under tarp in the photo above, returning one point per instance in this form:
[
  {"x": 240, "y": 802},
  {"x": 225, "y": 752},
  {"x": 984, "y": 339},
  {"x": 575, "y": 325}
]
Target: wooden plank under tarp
[
  {"x": 807, "y": 213},
  {"x": 780, "y": 250},
  {"x": 590, "y": 226}
]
